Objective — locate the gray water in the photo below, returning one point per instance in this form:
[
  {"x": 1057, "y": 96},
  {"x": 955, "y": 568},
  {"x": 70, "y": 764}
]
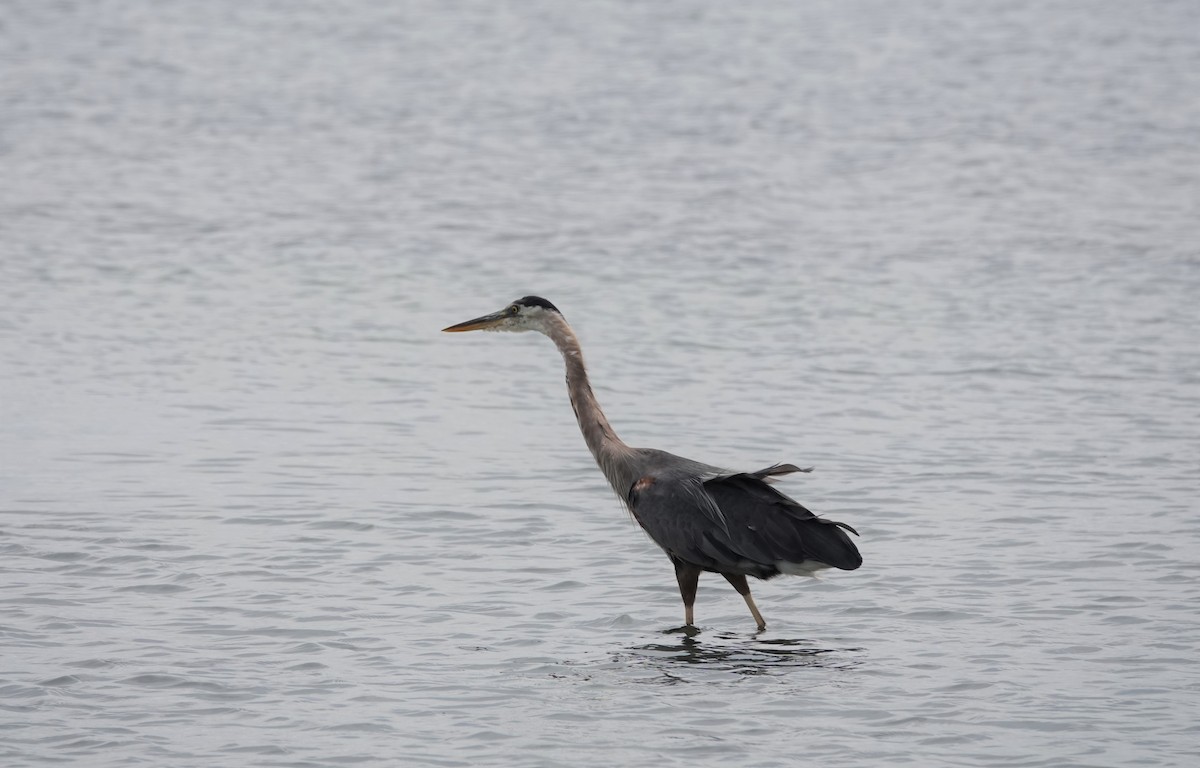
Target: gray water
[{"x": 255, "y": 509}]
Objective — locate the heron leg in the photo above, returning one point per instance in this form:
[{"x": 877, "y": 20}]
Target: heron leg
[
  {"x": 688, "y": 577},
  {"x": 739, "y": 583}
]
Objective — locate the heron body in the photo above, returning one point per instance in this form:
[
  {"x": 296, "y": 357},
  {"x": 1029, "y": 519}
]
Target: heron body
[{"x": 704, "y": 518}]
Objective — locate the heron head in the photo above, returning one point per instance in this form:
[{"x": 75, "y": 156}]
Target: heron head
[{"x": 525, "y": 314}]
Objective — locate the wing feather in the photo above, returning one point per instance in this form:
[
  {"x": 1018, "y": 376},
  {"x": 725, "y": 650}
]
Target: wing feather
[{"x": 737, "y": 523}]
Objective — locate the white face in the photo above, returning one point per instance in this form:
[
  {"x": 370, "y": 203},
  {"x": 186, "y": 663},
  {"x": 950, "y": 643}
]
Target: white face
[{"x": 519, "y": 318}]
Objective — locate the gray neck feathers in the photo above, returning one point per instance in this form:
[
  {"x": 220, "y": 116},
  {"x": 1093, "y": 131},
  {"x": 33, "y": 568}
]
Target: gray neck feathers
[{"x": 613, "y": 456}]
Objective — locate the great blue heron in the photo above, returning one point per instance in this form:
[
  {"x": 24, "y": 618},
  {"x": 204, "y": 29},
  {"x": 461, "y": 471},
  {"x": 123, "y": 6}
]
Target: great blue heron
[{"x": 705, "y": 518}]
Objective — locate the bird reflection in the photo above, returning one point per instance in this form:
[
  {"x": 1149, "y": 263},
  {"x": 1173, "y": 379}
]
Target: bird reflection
[{"x": 735, "y": 653}]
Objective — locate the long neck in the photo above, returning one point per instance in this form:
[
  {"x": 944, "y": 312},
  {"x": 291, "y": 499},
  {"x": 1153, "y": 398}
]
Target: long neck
[{"x": 609, "y": 451}]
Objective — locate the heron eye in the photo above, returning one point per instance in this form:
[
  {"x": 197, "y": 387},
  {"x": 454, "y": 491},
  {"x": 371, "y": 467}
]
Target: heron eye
[{"x": 513, "y": 310}]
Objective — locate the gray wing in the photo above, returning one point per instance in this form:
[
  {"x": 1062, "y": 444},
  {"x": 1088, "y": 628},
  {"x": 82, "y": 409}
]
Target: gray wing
[
  {"x": 769, "y": 474},
  {"x": 738, "y": 523}
]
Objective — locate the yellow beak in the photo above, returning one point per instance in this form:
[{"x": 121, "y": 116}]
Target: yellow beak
[{"x": 478, "y": 324}]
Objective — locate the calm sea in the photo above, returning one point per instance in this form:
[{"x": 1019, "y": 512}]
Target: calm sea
[{"x": 255, "y": 509}]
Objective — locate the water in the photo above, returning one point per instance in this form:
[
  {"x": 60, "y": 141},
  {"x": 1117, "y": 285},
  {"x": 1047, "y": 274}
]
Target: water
[{"x": 256, "y": 510}]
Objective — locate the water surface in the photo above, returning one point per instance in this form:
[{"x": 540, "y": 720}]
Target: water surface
[{"x": 256, "y": 510}]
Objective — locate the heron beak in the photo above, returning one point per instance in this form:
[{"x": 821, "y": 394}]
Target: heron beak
[{"x": 478, "y": 324}]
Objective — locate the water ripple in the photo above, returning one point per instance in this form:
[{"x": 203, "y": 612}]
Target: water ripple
[{"x": 255, "y": 508}]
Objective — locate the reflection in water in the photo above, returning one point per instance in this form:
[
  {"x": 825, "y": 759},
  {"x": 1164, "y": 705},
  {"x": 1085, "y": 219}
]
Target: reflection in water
[{"x": 727, "y": 651}]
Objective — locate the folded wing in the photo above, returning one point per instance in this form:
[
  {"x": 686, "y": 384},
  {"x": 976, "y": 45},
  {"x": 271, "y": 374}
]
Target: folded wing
[{"x": 738, "y": 523}]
